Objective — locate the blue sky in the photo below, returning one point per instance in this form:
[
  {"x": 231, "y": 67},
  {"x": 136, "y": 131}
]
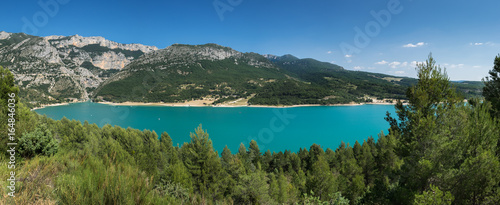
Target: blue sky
[{"x": 463, "y": 35}]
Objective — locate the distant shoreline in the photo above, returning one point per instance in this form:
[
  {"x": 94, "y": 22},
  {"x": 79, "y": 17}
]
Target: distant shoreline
[
  {"x": 50, "y": 105},
  {"x": 190, "y": 104},
  {"x": 187, "y": 104}
]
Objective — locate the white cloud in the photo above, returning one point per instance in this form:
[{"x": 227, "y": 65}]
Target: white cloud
[
  {"x": 358, "y": 67},
  {"x": 454, "y": 65},
  {"x": 394, "y": 64},
  {"x": 332, "y": 62},
  {"x": 481, "y": 44},
  {"x": 399, "y": 72},
  {"x": 404, "y": 64},
  {"x": 476, "y": 66},
  {"x": 329, "y": 52},
  {"x": 348, "y": 58},
  {"x": 410, "y": 45},
  {"x": 383, "y": 62}
]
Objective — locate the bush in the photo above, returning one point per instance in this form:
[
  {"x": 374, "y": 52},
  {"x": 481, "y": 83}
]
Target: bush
[{"x": 38, "y": 142}]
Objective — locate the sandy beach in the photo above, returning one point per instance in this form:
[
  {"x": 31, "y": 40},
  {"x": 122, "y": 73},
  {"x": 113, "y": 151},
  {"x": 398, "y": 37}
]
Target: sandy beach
[
  {"x": 242, "y": 102},
  {"x": 49, "y": 105},
  {"x": 204, "y": 103}
]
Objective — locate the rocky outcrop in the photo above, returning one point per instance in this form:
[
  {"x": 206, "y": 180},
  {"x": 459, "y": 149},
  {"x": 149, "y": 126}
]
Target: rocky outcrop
[
  {"x": 181, "y": 54},
  {"x": 79, "y": 41},
  {"x": 64, "y": 67},
  {"x": 4, "y": 35}
]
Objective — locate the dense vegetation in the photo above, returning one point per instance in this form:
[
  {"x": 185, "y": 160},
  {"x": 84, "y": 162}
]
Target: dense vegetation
[
  {"x": 437, "y": 151},
  {"x": 491, "y": 90},
  {"x": 284, "y": 80}
]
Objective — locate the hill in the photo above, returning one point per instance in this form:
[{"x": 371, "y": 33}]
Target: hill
[
  {"x": 56, "y": 69},
  {"x": 63, "y": 68},
  {"x": 218, "y": 74}
]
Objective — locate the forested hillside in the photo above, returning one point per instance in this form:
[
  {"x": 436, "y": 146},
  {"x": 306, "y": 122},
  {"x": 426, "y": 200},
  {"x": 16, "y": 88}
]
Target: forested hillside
[
  {"x": 55, "y": 69},
  {"x": 217, "y": 74},
  {"x": 437, "y": 151}
]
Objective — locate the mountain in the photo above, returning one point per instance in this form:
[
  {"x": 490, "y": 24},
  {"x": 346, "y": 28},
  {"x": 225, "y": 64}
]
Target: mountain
[
  {"x": 61, "y": 68},
  {"x": 56, "y": 69},
  {"x": 189, "y": 72},
  {"x": 216, "y": 74}
]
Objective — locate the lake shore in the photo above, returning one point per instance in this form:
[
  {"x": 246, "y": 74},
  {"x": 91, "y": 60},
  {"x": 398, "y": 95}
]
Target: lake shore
[
  {"x": 50, "y": 105},
  {"x": 197, "y": 104}
]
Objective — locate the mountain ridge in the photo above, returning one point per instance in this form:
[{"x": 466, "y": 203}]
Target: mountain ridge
[{"x": 56, "y": 69}]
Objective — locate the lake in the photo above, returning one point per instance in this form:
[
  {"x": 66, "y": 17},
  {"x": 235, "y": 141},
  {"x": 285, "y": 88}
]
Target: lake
[{"x": 277, "y": 129}]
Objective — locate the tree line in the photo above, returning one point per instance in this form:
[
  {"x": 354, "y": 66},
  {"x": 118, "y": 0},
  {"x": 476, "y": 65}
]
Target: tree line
[{"x": 438, "y": 150}]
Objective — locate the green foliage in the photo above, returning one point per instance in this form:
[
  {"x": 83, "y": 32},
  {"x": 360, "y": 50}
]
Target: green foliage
[
  {"x": 204, "y": 165},
  {"x": 7, "y": 88},
  {"x": 336, "y": 199},
  {"x": 434, "y": 196},
  {"x": 173, "y": 190},
  {"x": 40, "y": 141},
  {"x": 282, "y": 81},
  {"x": 99, "y": 183},
  {"x": 252, "y": 188},
  {"x": 321, "y": 180},
  {"x": 491, "y": 90},
  {"x": 438, "y": 151},
  {"x": 96, "y": 49},
  {"x": 444, "y": 141}
]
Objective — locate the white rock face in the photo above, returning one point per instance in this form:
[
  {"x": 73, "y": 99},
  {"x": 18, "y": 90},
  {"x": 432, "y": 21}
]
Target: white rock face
[
  {"x": 203, "y": 52},
  {"x": 110, "y": 60},
  {"x": 80, "y": 41},
  {"x": 57, "y": 62},
  {"x": 45, "y": 51},
  {"x": 186, "y": 54},
  {"x": 179, "y": 54},
  {"x": 4, "y": 35}
]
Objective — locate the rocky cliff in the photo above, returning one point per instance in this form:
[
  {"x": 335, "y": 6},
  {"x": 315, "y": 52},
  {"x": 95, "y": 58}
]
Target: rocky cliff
[{"x": 61, "y": 68}]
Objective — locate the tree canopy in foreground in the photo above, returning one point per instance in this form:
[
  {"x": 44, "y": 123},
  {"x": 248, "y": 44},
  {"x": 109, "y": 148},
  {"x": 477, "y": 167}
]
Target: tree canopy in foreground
[{"x": 439, "y": 150}]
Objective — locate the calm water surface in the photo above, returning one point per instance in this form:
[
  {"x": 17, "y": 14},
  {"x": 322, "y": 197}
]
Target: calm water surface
[{"x": 276, "y": 129}]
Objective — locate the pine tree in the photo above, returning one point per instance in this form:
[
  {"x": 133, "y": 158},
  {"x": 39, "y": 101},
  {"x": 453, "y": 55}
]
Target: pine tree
[
  {"x": 226, "y": 156},
  {"x": 254, "y": 154},
  {"x": 321, "y": 180},
  {"x": 203, "y": 164},
  {"x": 283, "y": 188},
  {"x": 491, "y": 89}
]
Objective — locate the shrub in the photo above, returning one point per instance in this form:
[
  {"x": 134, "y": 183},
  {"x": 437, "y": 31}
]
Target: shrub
[{"x": 38, "y": 142}]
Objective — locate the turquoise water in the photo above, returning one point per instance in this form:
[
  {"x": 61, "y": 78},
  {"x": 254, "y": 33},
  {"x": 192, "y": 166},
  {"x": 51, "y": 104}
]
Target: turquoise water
[{"x": 277, "y": 129}]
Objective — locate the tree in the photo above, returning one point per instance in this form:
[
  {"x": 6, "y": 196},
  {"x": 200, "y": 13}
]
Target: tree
[
  {"x": 283, "y": 188},
  {"x": 254, "y": 154},
  {"x": 434, "y": 196},
  {"x": 418, "y": 128},
  {"x": 178, "y": 174},
  {"x": 7, "y": 87},
  {"x": 432, "y": 94},
  {"x": 252, "y": 188},
  {"x": 226, "y": 156},
  {"x": 203, "y": 164},
  {"x": 40, "y": 141},
  {"x": 491, "y": 89},
  {"x": 274, "y": 189},
  {"x": 321, "y": 180},
  {"x": 242, "y": 152}
]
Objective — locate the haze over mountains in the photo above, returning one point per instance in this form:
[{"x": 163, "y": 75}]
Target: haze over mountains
[{"x": 70, "y": 68}]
